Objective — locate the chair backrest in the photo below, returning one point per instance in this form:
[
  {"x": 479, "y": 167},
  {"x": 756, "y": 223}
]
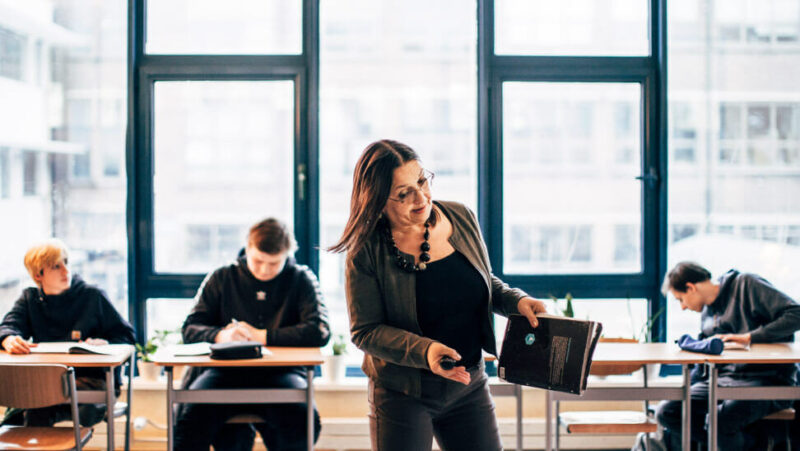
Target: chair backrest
[
  {"x": 599, "y": 369},
  {"x": 30, "y": 386}
]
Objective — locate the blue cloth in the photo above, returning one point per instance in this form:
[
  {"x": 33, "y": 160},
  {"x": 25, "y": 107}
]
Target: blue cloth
[{"x": 708, "y": 346}]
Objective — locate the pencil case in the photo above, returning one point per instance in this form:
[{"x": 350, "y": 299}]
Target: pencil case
[{"x": 234, "y": 350}]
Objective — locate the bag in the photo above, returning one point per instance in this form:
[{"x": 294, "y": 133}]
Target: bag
[{"x": 233, "y": 350}]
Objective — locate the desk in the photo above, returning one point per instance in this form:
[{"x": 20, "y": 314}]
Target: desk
[
  {"x": 119, "y": 354},
  {"x": 759, "y": 353},
  {"x": 618, "y": 354},
  {"x": 281, "y": 356}
]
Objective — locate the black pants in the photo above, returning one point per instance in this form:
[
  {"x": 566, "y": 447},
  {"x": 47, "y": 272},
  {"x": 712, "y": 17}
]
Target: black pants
[
  {"x": 284, "y": 426},
  {"x": 461, "y": 417},
  {"x": 733, "y": 415}
]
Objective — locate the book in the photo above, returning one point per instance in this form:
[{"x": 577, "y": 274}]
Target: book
[
  {"x": 185, "y": 350},
  {"x": 556, "y": 355},
  {"x": 69, "y": 347},
  {"x": 734, "y": 346}
]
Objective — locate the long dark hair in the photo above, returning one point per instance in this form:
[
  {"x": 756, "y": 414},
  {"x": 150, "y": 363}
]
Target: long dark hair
[{"x": 372, "y": 182}]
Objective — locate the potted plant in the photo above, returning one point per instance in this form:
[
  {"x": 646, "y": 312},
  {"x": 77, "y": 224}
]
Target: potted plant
[
  {"x": 567, "y": 311},
  {"x": 147, "y": 369},
  {"x": 336, "y": 365}
]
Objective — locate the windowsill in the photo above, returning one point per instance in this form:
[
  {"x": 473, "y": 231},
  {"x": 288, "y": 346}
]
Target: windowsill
[{"x": 359, "y": 384}]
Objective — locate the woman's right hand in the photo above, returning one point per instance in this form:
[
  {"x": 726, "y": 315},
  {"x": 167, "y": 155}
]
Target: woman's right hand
[{"x": 435, "y": 354}]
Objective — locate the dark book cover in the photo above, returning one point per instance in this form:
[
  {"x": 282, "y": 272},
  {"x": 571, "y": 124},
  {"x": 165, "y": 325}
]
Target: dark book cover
[{"x": 557, "y": 355}]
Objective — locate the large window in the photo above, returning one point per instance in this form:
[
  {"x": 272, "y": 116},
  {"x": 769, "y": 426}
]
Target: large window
[
  {"x": 224, "y": 154},
  {"x": 731, "y": 199},
  {"x": 571, "y": 155},
  {"x": 63, "y": 89},
  {"x": 402, "y": 70}
]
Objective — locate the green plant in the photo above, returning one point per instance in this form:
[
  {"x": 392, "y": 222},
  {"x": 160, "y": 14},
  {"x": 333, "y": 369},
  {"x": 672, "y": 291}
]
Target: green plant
[
  {"x": 567, "y": 310},
  {"x": 339, "y": 345},
  {"x": 643, "y": 332},
  {"x": 160, "y": 338}
]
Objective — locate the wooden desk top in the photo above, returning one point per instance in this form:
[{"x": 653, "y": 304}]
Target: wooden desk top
[
  {"x": 609, "y": 354},
  {"x": 119, "y": 355},
  {"x": 281, "y": 356},
  {"x": 760, "y": 353}
]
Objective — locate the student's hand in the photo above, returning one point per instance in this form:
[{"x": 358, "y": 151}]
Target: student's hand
[
  {"x": 259, "y": 335},
  {"x": 742, "y": 339},
  {"x": 529, "y": 307},
  {"x": 435, "y": 353},
  {"x": 14, "y": 344},
  {"x": 96, "y": 341},
  {"x": 233, "y": 332}
]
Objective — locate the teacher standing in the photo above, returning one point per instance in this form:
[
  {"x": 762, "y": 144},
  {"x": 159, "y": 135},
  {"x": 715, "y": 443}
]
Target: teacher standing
[{"x": 419, "y": 290}]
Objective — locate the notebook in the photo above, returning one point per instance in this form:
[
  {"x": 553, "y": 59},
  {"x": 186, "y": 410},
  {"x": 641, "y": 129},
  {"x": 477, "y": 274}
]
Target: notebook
[{"x": 557, "y": 355}]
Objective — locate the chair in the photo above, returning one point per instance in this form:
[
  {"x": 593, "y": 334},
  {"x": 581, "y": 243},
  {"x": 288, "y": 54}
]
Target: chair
[
  {"x": 31, "y": 386},
  {"x": 611, "y": 421}
]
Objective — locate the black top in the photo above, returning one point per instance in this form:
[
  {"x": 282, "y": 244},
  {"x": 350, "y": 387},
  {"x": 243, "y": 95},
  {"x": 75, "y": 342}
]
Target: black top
[
  {"x": 452, "y": 304},
  {"x": 289, "y": 306}
]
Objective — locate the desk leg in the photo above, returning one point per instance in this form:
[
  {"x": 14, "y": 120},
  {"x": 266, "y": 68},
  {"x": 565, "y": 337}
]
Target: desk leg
[
  {"x": 129, "y": 399},
  {"x": 548, "y": 421},
  {"x": 712, "y": 407},
  {"x": 518, "y": 395},
  {"x": 310, "y": 409},
  {"x": 170, "y": 401},
  {"x": 686, "y": 430},
  {"x": 110, "y": 401}
]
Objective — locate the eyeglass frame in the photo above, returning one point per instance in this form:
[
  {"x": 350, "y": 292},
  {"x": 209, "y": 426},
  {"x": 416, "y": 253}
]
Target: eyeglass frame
[{"x": 426, "y": 186}]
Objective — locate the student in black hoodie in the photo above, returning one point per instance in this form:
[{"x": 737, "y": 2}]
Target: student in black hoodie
[
  {"x": 61, "y": 308},
  {"x": 741, "y": 308},
  {"x": 263, "y": 296}
]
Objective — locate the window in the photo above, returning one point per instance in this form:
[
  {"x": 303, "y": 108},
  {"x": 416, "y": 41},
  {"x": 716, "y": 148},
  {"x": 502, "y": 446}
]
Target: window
[
  {"x": 586, "y": 144},
  {"x": 12, "y": 54},
  {"x": 224, "y": 158},
  {"x": 30, "y": 173},
  {"x": 235, "y": 27},
  {"x": 571, "y": 27},
  {"x": 5, "y": 174},
  {"x": 402, "y": 70},
  {"x": 734, "y": 209},
  {"x": 48, "y": 128}
]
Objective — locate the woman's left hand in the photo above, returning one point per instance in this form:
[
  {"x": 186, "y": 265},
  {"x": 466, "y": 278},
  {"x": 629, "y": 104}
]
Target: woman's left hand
[{"x": 529, "y": 307}]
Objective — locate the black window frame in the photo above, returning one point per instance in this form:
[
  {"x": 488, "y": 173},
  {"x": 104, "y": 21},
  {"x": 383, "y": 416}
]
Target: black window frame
[{"x": 493, "y": 70}]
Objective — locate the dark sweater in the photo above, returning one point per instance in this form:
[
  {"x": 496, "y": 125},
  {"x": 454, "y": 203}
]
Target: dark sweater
[
  {"x": 83, "y": 308},
  {"x": 290, "y": 308},
  {"x": 748, "y": 303}
]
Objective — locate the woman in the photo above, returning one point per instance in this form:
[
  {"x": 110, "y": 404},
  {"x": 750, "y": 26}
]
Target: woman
[{"x": 419, "y": 292}]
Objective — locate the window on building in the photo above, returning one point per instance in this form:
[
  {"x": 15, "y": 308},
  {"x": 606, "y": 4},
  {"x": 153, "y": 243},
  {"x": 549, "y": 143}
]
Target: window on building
[
  {"x": 5, "y": 174},
  {"x": 30, "y": 173},
  {"x": 12, "y": 54}
]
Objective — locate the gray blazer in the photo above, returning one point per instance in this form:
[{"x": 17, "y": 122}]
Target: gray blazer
[{"x": 381, "y": 301}]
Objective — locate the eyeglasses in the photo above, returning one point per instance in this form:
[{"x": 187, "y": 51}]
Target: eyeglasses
[{"x": 423, "y": 186}]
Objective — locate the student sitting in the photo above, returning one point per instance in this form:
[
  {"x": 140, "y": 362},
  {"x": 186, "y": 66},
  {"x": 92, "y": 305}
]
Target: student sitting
[
  {"x": 741, "y": 308},
  {"x": 263, "y": 296},
  {"x": 61, "y": 308}
]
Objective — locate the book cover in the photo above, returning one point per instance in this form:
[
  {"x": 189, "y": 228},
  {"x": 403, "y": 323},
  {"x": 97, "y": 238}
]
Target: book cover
[{"x": 557, "y": 355}]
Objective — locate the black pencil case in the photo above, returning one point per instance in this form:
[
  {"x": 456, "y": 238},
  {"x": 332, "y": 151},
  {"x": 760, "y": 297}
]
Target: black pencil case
[{"x": 234, "y": 350}]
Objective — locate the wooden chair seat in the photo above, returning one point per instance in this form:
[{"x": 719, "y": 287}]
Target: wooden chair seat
[
  {"x": 607, "y": 422},
  {"x": 781, "y": 415},
  {"x": 41, "y": 438},
  {"x": 244, "y": 418}
]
